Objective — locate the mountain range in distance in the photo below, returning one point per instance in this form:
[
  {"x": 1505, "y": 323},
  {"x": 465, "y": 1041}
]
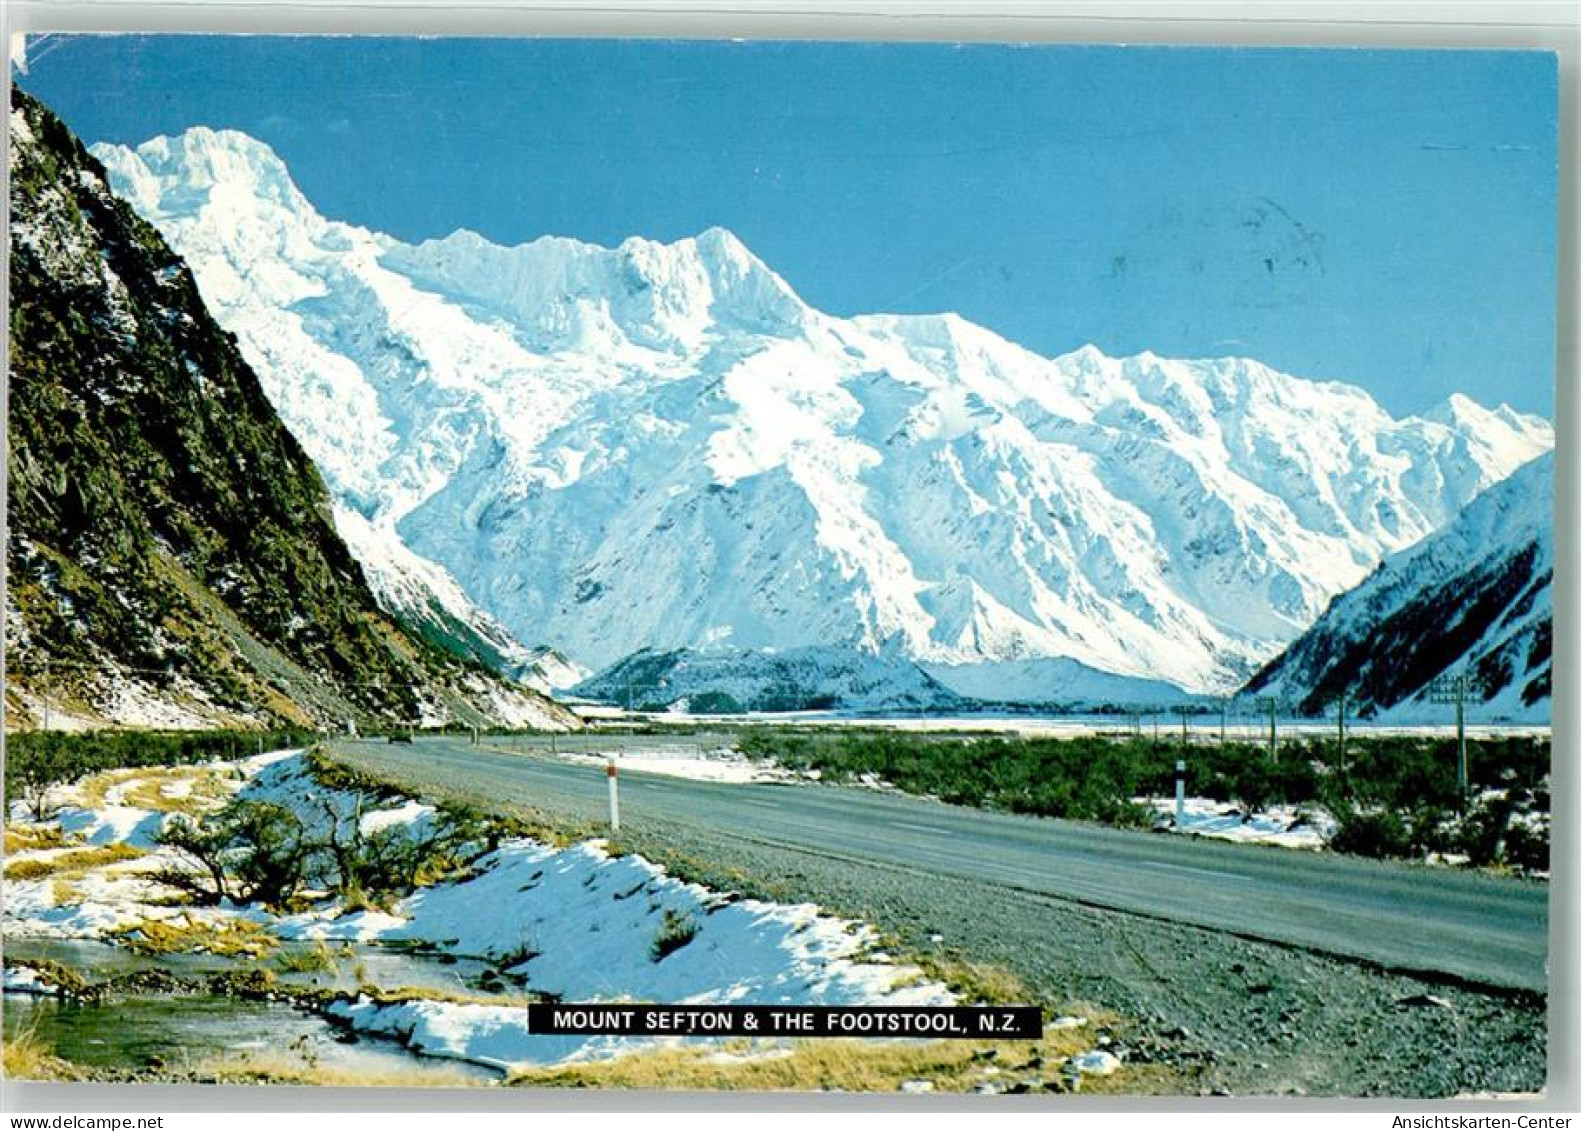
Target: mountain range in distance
[{"x": 657, "y": 458}]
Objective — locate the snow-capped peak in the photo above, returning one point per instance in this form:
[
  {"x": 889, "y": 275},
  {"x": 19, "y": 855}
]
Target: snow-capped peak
[
  {"x": 564, "y": 294},
  {"x": 1461, "y": 413},
  {"x": 195, "y": 165},
  {"x": 659, "y": 445}
]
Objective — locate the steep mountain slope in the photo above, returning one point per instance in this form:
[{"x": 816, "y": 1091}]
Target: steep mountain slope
[
  {"x": 171, "y": 554},
  {"x": 1475, "y": 597},
  {"x": 661, "y": 446}
]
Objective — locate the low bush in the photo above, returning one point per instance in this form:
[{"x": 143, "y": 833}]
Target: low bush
[
  {"x": 675, "y": 930},
  {"x": 250, "y": 852}
]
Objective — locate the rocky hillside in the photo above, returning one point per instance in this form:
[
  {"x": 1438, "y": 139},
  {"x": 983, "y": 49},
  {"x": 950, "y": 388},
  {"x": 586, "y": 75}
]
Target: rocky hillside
[
  {"x": 172, "y": 557},
  {"x": 1474, "y": 598}
]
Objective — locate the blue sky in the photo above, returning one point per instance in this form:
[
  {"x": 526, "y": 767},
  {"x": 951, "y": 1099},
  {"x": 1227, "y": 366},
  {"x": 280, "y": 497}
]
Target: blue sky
[{"x": 1386, "y": 218}]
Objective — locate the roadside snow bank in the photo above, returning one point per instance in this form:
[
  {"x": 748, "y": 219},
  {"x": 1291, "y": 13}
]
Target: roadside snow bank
[
  {"x": 1283, "y": 825},
  {"x": 721, "y": 765},
  {"x": 574, "y": 922}
]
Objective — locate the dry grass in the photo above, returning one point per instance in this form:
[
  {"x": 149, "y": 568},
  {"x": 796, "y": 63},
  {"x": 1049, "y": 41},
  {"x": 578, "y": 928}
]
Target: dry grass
[
  {"x": 24, "y": 1057},
  {"x": 976, "y": 983},
  {"x": 397, "y": 994},
  {"x": 73, "y": 863},
  {"x": 210, "y": 789},
  {"x": 186, "y": 935},
  {"x": 283, "y": 1068},
  {"x": 30, "y": 838},
  {"x": 820, "y": 1065},
  {"x": 64, "y": 892}
]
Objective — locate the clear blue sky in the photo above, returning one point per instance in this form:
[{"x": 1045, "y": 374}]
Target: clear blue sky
[{"x": 1386, "y": 218}]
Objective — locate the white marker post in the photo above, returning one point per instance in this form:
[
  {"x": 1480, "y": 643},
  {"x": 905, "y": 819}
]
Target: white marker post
[
  {"x": 614, "y": 796},
  {"x": 1180, "y": 791}
]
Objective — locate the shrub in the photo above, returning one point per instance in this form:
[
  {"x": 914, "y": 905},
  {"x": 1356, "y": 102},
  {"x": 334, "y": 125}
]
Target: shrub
[
  {"x": 250, "y": 851},
  {"x": 676, "y": 930},
  {"x": 1370, "y": 832},
  {"x": 1526, "y": 846}
]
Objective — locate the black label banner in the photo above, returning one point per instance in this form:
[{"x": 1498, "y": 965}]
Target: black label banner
[{"x": 1010, "y": 1022}]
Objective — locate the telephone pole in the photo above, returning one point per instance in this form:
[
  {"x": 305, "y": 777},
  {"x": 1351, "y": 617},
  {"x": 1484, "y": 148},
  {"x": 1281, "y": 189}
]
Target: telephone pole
[{"x": 1455, "y": 689}]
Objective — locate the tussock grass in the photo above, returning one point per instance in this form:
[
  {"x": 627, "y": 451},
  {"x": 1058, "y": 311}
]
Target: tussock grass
[
  {"x": 315, "y": 959},
  {"x": 819, "y": 1065},
  {"x": 186, "y": 935},
  {"x": 677, "y": 929},
  {"x": 395, "y": 995},
  {"x": 75, "y": 862},
  {"x": 26, "y": 838},
  {"x": 24, "y": 1057}
]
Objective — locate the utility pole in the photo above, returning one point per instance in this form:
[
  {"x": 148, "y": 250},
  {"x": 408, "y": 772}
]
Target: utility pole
[
  {"x": 1454, "y": 689},
  {"x": 1270, "y": 704},
  {"x": 1224, "y": 717},
  {"x": 1185, "y": 736}
]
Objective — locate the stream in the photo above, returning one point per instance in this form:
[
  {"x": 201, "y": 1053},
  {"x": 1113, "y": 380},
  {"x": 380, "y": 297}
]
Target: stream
[{"x": 173, "y": 1032}]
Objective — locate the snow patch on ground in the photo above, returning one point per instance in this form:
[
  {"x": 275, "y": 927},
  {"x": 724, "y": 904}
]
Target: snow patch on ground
[
  {"x": 577, "y": 922},
  {"x": 1283, "y": 825},
  {"x": 719, "y": 765}
]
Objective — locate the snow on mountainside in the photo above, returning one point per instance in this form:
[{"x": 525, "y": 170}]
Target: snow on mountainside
[
  {"x": 723, "y": 680},
  {"x": 660, "y": 446},
  {"x": 431, "y": 604},
  {"x": 170, "y": 555},
  {"x": 1475, "y": 597},
  {"x": 1065, "y": 684}
]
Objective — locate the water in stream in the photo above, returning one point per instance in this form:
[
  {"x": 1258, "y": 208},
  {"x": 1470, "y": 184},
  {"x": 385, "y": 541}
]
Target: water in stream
[{"x": 179, "y": 1031}]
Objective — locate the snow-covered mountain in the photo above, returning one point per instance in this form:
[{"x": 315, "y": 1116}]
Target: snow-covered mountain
[
  {"x": 1475, "y": 598},
  {"x": 726, "y": 680},
  {"x": 430, "y": 603},
  {"x": 171, "y": 560},
  {"x": 661, "y": 446}
]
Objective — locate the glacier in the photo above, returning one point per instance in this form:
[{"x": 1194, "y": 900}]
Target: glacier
[{"x": 661, "y": 446}]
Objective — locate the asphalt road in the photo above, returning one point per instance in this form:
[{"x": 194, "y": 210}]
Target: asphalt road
[{"x": 1487, "y": 930}]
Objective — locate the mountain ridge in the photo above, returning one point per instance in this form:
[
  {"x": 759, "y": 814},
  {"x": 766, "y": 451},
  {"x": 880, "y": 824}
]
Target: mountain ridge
[
  {"x": 1474, "y": 599},
  {"x": 618, "y": 449},
  {"x": 171, "y": 556}
]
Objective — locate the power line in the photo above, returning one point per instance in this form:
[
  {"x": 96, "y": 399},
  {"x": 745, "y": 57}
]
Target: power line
[{"x": 1456, "y": 689}]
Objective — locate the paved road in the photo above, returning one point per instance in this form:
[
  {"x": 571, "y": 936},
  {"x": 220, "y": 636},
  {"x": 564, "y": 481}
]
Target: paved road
[{"x": 1485, "y": 929}]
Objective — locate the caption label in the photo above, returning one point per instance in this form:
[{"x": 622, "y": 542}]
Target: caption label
[{"x": 1013, "y": 1022}]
